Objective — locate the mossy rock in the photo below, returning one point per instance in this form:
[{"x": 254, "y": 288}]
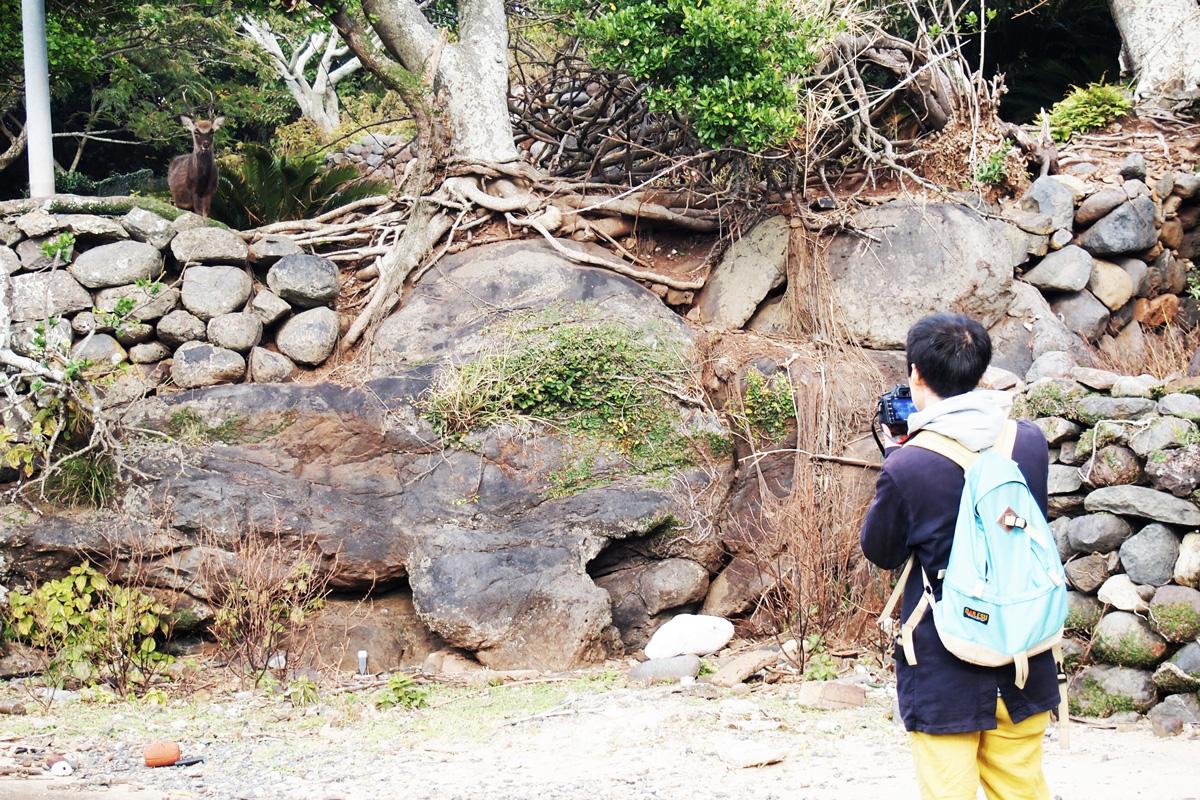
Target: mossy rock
[
  {"x": 1101, "y": 691},
  {"x": 1175, "y": 613},
  {"x": 1051, "y": 397},
  {"x": 1125, "y": 640},
  {"x": 1083, "y": 612},
  {"x": 1092, "y": 701}
]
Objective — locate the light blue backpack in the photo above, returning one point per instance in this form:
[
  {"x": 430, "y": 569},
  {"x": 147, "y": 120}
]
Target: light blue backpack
[{"x": 1004, "y": 595}]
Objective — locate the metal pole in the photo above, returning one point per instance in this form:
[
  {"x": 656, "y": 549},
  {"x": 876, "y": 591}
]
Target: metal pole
[{"x": 39, "y": 147}]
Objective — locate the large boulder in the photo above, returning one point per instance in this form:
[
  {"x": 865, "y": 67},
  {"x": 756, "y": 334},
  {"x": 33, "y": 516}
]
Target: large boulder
[
  {"x": 208, "y": 245},
  {"x": 500, "y": 559},
  {"x": 1102, "y": 690},
  {"x": 211, "y": 291},
  {"x": 149, "y": 302},
  {"x": 41, "y": 295},
  {"x": 116, "y": 264},
  {"x": 1149, "y": 555},
  {"x": 1030, "y": 329},
  {"x": 1175, "y": 471},
  {"x": 1175, "y": 613},
  {"x": 643, "y": 595},
  {"x": 199, "y": 364},
  {"x": 1066, "y": 270},
  {"x": 309, "y": 337},
  {"x": 751, "y": 267},
  {"x": 1098, "y": 533},
  {"x": 917, "y": 260},
  {"x": 1126, "y": 640}
]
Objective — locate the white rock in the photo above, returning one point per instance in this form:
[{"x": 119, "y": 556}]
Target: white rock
[
  {"x": 690, "y": 634},
  {"x": 1120, "y": 593},
  {"x": 1187, "y": 566}
]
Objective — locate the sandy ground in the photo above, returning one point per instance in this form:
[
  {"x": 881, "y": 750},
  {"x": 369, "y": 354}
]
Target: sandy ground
[{"x": 579, "y": 739}]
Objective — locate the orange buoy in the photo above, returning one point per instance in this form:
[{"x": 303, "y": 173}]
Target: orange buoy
[{"x": 161, "y": 754}]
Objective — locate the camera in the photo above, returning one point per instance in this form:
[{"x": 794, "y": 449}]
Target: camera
[{"x": 894, "y": 409}]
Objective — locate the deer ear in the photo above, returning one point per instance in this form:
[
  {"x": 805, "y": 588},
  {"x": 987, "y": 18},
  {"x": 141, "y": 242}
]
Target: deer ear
[
  {"x": 187, "y": 122},
  {"x": 216, "y": 123}
]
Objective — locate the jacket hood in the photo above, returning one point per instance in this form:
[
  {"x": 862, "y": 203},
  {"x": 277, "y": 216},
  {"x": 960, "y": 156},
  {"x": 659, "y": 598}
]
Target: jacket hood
[{"x": 973, "y": 419}]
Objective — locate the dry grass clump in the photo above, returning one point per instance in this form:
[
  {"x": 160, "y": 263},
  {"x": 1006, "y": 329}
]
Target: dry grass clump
[{"x": 1167, "y": 354}]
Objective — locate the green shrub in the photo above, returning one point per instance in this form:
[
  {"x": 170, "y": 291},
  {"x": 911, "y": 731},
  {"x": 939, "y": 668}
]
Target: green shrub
[
  {"x": 59, "y": 248},
  {"x": 730, "y": 66},
  {"x": 302, "y": 692},
  {"x": 401, "y": 692},
  {"x": 258, "y": 187},
  {"x": 1088, "y": 108},
  {"x": 768, "y": 405},
  {"x": 86, "y": 480},
  {"x": 92, "y": 630},
  {"x": 992, "y": 171}
]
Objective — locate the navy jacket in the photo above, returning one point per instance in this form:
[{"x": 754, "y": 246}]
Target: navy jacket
[{"x": 914, "y": 511}]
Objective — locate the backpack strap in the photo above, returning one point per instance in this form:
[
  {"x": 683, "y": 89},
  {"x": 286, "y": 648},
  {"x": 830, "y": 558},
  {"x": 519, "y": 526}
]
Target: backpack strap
[
  {"x": 1006, "y": 442},
  {"x": 1064, "y": 706},
  {"x": 944, "y": 446}
]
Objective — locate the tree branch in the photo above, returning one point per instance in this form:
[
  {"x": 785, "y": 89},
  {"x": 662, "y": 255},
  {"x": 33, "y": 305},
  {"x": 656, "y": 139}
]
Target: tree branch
[{"x": 403, "y": 30}]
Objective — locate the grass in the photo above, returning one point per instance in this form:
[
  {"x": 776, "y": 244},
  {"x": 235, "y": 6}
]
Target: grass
[
  {"x": 187, "y": 425},
  {"x": 1167, "y": 353},
  {"x": 1088, "y": 108},
  {"x": 611, "y": 387},
  {"x": 87, "y": 480},
  {"x": 1177, "y": 622}
]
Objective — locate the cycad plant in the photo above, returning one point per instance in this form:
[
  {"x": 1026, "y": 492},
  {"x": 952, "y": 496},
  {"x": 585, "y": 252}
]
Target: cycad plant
[{"x": 258, "y": 187}]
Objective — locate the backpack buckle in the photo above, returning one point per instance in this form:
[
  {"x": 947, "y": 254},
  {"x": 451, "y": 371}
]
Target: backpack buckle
[{"x": 1010, "y": 520}]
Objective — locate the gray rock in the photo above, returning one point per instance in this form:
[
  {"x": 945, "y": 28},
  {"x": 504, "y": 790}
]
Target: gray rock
[
  {"x": 1149, "y": 555},
  {"x": 1133, "y": 386},
  {"x": 1170, "y": 679},
  {"x": 1060, "y": 505},
  {"x": 29, "y": 253},
  {"x": 1175, "y": 471},
  {"x": 751, "y": 267},
  {"x": 1175, "y": 613},
  {"x": 39, "y": 339},
  {"x": 99, "y": 348},
  {"x": 1134, "y": 167},
  {"x": 1100, "y": 379},
  {"x": 1187, "y": 566},
  {"x": 309, "y": 337},
  {"x": 38, "y": 223},
  {"x": 268, "y": 249},
  {"x": 1168, "y": 717},
  {"x": 1132, "y": 687},
  {"x": 1127, "y": 229},
  {"x": 238, "y": 331},
  {"x": 146, "y": 226},
  {"x": 1098, "y": 205},
  {"x": 267, "y": 366},
  {"x": 1186, "y": 406},
  {"x": 1054, "y": 364},
  {"x": 211, "y": 291},
  {"x": 1029, "y": 330},
  {"x": 188, "y": 221},
  {"x": 929, "y": 257},
  {"x": 1140, "y": 501},
  {"x": 42, "y": 295},
  {"x": 1057, "y": 430},
  {"x": 131, "y": 333},
  {"x": 304, "y": 280},
  {"x": 1186, "y": 184},
  {"x": 1088, "y": 573},
  {"x": 1160, "y": 434},
  {"x": 1060, "y": 527},
  {"x": 1049, "y": 195},
  {"x": 1139, "y": 275},
  {"x": 208, "y": 245},
  {"x": 1083, "y": 612},
  {"x": 1063, "y": 480},
  {"x": 1128, "y": 346},
  {"x": 9, "y": 262},
  {"x": 148, "y": 353},
  {"x": 10, "y": 234},
  {"x": 1188, "y": 659},
  {"x": 1098, "y": 533},
  {"x": 1136, "y": 187},
  {"x": 1068, "y": 453},
  {"x": 92, "y": 228},
  {"x": 1126, "y": 640},
  {"x": 197, "y": 364},
  {"x": 1082, "y": 313},
  {"x": 665, "y": 670},
  {"x": 1094, "y": 408},
  {"x": 1066, "y": 270},
  {"x": 269, "y": 306},
  {"x": 84, "y": 323},
  {"x": 116, "y": 264},
  {"x": 1111, "y": 465},
  {"x": 179, "y": 327},
  {"x": 149, "y": 303}
]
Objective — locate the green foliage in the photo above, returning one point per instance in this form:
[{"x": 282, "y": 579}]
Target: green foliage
[
  {"x": 302, "y": 692},
  {"x": 819, "y": 665},
  {"x": 91, "y": 629},
  {"x": 1047, "y": 400},
  {"x": 576, "y": 476},
  {"x": 1193, "y": 284},
  {"x": 401, "y": 691},
  {"x": 1091, "y": 700},
  {"x": 768, "y": 405},
  {"x": 730, "y": 66},
  {"x": 259, "y": 187},
  {"x": 992, "y": 171},
  {"x": 1088, "y": 108},
  {"x": 706, "y": 668},
  {"x": 600, "y": 380},
  {"x": 62, "y": 421},
  {"x": 188, "y": 426},
  {"x": 1126, "y": 651},
  {"x": 59, "y": 248}
]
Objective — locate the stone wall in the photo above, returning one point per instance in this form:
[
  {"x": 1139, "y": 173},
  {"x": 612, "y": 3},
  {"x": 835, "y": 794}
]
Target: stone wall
[
  {"x": 1125, "y": 511},
  {"x": 181, "y": 302}
]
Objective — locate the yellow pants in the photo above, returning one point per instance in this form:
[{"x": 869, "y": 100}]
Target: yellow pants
[{"x": 1006, "y": 761}]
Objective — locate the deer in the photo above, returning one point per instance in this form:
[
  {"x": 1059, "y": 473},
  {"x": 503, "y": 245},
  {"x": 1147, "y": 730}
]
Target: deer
[{"x": 193, "y": 177}]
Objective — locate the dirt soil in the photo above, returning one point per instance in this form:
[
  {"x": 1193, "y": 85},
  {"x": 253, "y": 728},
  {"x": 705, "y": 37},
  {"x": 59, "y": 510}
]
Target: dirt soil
[{"x": 582, "y": 736}]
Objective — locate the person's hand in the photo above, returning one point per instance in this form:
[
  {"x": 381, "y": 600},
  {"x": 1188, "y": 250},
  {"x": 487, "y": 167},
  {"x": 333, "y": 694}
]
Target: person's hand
[{"x": 885, "y": 436}]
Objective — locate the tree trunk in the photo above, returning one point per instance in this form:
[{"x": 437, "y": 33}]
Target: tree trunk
[{"x": 1162, "y": 42}]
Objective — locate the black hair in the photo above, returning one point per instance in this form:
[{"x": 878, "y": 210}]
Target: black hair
[{"x": 951, "y": 351}]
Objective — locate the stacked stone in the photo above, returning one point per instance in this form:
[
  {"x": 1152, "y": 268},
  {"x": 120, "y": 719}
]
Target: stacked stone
[
  {"x": 1108, "y": 260},
  {"x": 377, "y": 156},
  {"x": 1124, "y": 507},
  {"x": 200, "y": 313}
]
